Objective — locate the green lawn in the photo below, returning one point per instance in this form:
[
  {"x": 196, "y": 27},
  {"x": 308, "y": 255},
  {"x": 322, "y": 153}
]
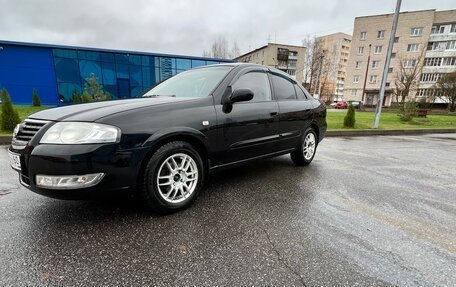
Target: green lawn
[
  {"x": 389, "y": 121},
  {"x": 335, "y": 120},
  {"x": 24, "y": 111}
]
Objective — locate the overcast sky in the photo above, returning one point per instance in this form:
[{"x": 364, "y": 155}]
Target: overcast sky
[{"x": 187, "y": 26}]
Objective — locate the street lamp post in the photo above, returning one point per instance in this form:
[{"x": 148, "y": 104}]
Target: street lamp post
[
  {"x": 365, "y": 76},
  {"x": 378, "y": 111}
]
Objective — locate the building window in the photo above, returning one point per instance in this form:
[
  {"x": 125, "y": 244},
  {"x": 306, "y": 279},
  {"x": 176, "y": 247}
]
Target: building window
[
  {"x": 358, "y": 65},
  {"x": 413, "y": 47},
  {"x": 453, "y": 28},
  {"x": 451, "y": 45},
  {"x": 393, "y": 55},
  {"x": 353, "y": 92},
  {"x": 416, "y": 31},
  {"x": 431, "y": 77},
  {"x": 381, "y": 34},
  {"x": 390, "y": 69},
  {"x": 409, "y": 63},
  {"x": 375, "y": 64},
  {"x": 396, "y": 39},
  {"x": 378, "y": 49},
  {"x": 440, "y": 29},
  {"x": 387, "y": 84},
  {"x": 291, "y": 72},
  {"x": 373, "y": 79},
  {"x": 433, "y": 62},
  {"x": 356, "y": 79},
  {"x": 363, "y": 35},
  {"x": 360, "y": 50},
  {"x": 449, "y": 61},
  {"x": 437, "y": 46},
  {"x": 292, "y": 63}
]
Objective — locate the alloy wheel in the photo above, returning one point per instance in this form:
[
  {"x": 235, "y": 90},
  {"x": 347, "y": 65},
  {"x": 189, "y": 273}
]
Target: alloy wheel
[{"x": 177, "y": 177}]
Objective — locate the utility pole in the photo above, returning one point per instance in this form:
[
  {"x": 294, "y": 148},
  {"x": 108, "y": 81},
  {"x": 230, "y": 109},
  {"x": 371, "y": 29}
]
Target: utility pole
[
  {"x": 365, "y": 76},
  {"x": 378, "y": 111},
  {"x": 322, "y": 55}
]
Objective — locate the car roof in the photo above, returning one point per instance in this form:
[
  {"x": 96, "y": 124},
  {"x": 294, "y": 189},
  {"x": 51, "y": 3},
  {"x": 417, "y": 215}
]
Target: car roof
[{"x": 242, "y": 64}]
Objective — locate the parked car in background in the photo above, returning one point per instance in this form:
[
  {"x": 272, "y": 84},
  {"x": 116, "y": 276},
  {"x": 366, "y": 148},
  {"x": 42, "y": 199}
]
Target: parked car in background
[
  {"x": 341, "y": 105},
  {"x": 164, "y": 144}
]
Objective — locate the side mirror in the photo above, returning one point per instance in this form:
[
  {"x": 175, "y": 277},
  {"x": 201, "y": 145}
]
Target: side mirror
[{"x": 241, "y": 95}]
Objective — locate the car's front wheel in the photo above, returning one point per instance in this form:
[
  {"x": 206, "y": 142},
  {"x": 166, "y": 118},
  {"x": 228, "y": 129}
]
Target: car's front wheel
[
  {"x": 173, "y": 177},
  {"x": 305, "y": 152}
]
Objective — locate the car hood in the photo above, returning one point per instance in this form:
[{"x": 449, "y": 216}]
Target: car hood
[{"x": 90, "y": 112}]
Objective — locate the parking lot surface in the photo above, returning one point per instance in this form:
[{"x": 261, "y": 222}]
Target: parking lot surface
[{"x": 372, "y": 211}]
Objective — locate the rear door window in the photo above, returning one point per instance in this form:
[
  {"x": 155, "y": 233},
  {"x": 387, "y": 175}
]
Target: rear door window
[
  {"x": 283, "y": 87},
  {"x": 300, "y": 93}
]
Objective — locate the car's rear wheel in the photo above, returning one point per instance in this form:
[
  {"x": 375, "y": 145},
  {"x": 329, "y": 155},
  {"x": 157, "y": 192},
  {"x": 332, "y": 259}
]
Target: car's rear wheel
[
  {"x": 173, "y": 177},
  {"x": 305, "y": 152}
]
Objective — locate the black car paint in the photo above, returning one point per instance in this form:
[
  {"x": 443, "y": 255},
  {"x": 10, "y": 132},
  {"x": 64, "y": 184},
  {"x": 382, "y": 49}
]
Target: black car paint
[{"x": 236, "y": 133}]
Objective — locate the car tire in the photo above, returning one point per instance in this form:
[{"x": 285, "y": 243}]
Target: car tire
[
  {"x": 172, "y": 178},
  {"x": 307, "y": 148}
]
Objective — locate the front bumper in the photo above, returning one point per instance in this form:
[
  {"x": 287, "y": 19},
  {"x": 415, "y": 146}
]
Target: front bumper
[{"x": 120, "y": 167}]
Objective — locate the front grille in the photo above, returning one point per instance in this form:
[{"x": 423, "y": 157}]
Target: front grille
[{"x": 28, "y": 129}]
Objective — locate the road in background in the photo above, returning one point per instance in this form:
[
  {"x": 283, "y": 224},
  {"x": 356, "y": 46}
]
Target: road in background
[{"x": 368, "y": 211}]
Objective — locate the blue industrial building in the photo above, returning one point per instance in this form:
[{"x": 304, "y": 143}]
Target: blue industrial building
[{"x": 56, "y": 71}]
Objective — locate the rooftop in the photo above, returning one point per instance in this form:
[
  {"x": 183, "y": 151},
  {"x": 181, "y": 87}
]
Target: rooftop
[
  {"x": 264, "y": 46},
  {"x": 54, "y": 46}
]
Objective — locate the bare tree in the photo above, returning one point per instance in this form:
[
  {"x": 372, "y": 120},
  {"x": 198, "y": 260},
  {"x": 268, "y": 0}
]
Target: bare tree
[
  {"x": 311, "y": 62},
  {"x": 407, "y": 78},
  {"x": 331, "y": 64},
  {"x": 221, "y": 49},
  {"x": 235, "y": 51},
  {"x": 314, "y": 51},
  {"x": 446, "y": 90}
]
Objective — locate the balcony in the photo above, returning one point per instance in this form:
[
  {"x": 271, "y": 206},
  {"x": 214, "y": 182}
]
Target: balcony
[
  {"x": 283, "y": 54},
  {"x": 442, "y": 37},
  {"x": 440, "y": 53},
  {"x": 292, "y": 57},
  {"x": 282, "y": 57}
]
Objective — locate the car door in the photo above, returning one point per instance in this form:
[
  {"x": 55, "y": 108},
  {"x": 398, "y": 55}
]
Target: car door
[
  {"x": 295, "y": 110},
  {"x": 248, "y": 129}
]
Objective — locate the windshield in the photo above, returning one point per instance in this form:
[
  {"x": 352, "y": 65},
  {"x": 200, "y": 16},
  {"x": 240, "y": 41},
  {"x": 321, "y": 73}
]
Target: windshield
[{"x": 192, "y": 83}]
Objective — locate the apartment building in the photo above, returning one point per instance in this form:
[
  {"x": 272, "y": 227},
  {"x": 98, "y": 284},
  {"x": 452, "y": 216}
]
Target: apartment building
[
  {"x": 336, "y": 49},
  {"x": 424, "y": 40},
  {"x": 287, "y": 58}
]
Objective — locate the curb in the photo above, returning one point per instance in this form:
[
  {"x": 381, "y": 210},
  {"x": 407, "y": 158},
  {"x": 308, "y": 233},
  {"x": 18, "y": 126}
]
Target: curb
[
  {"x": 6, "y": 139},
  {"x": 365, "y": 133}
]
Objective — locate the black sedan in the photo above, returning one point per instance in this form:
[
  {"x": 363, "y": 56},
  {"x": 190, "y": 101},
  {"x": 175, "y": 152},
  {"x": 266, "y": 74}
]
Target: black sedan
[{"x": 164, "y": 144}]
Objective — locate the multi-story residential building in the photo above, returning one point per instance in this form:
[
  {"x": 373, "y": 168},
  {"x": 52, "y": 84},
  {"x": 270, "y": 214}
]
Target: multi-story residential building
[
  {"x": 287, "y": 58},
  {"x": 424, "y": 40},
  {"x": 336, "y": 49}
]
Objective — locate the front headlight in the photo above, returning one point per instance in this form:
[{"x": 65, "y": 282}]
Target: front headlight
[
  {"x": 16, "y": 130},
  {"x": 80, "y": 133}
]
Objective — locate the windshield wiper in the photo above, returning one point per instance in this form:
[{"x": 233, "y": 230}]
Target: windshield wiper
[{"x": 156, "y": 96}]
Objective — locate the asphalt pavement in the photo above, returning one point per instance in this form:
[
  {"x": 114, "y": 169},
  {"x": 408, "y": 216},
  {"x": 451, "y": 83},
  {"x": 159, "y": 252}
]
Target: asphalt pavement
[{"x": 369, "y": 211}]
